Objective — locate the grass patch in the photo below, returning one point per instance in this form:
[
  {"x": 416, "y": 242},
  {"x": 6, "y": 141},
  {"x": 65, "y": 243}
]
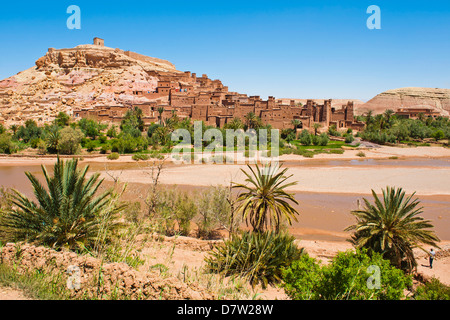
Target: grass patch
[{"x": 35, "y": 285}]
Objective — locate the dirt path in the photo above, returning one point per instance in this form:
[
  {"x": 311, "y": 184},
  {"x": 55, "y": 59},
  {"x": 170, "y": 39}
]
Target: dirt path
[{"x": 12, "y": 294}]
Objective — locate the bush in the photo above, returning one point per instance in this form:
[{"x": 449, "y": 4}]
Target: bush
[
  {"x": 361, "y": 154},
  {"x": 70, "y": 141},
  {"x": 305, "y": 138},
  {"x": 257, "y": 257},
  {"x": 113, "y": 156},
  {"x": 140, "y": 156},
  {"x": 214, "y": 211},
  {"x": 7, "y": 145},
  {"x": 176, "y": 211},
  {"x": 90, "y": 146},
  {"x": 323, "y": 139},
  {"x": 104, "y": 149},
  {"x": 349, "y": 276},
  {"x": 433, "y": 290},
  {"x": 349, "y": 138}
]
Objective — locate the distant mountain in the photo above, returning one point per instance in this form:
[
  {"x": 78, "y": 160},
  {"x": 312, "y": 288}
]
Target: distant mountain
[{"x": 433, "y": 98}]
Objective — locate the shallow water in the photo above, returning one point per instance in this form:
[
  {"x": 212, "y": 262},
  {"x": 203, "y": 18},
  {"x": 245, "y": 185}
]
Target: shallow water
[{"x": 323, "y": 216}]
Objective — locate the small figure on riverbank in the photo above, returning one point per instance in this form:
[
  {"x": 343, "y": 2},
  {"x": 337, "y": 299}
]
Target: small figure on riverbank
[{"x": 432, "y": 254}]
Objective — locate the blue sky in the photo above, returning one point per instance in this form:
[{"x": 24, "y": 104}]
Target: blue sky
[{"x": 288, "y": 49}]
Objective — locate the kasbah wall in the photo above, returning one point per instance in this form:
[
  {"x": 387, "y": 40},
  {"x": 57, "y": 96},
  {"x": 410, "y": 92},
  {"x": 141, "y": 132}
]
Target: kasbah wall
[{"x": 203, "y": 99}]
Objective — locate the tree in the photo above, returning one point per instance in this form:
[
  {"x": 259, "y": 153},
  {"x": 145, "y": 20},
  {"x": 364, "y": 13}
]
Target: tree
[
  {"x": 160, "y": 111},
  {"x": 62, "y": 120},
  {"x": 264, "y": 202},
  {"x": 133, "y": 120},
  {"x": 296, "y": 123},
  {"x": 234, "y": 124},
  {"x": 252, "y": 121},
  {"x": 68, "y": 213},
  {"x": 70, "y": 141},
  {"x": 52, "y": 139},
  {"x": 316, "y": 127},
  {"x": 392, "y": 226},
  {"x": 388, "y": 116},
  {"x": 305, "y": 138},
  {"x": 7, "y": 144},
  {"x": 369, "y": 118},
  {"x": 89, "y": 127}
]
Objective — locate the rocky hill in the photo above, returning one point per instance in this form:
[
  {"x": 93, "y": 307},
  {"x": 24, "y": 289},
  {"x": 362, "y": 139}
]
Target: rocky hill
[
  {"x": 433, "y": 98},
  {"x": 86, "y": 75}
]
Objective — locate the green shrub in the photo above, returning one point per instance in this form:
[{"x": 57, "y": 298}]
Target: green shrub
[
  {"x": 433, "y": 290},
  {"x": 214, "y": 211},
  {"x": 305, "y": 138},
  {"x": 113, "y": 156},
  {"x": 303, "y": 278},
  {"x": 361, "y": 154},
  {"x": 175, "y": 211},
  {"x": 90, "y": 146},
  {"x": 323, "y": 139},
  {"x": 140, "y": 156},
  {"x": 257, "y": 257},
  {"x": 104, "y": 149},
  {"x": 7, "y": 145},
  {"x": 349, "y": 276},
  {"x": 70, "y": 141},
  {"x": 349, "y": 138}
]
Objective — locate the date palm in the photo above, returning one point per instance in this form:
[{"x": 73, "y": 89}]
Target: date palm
[
  {"x": 264, "y": 202},
  {"x": 68, "y": 213},
  {"x": 393, "y": 226}
]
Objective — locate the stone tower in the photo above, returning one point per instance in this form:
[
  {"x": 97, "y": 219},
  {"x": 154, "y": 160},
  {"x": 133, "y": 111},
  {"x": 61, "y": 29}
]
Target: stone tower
[{"x": 99, "y": 42}]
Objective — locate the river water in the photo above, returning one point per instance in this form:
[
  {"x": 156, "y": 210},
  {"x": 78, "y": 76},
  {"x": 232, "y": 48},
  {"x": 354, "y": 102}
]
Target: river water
[{"x": 323, "y": 216}]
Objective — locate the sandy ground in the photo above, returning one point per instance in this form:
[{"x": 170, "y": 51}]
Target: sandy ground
[{"x": 11, "y": 294}]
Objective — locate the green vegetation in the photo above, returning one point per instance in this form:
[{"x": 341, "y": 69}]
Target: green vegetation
[
  {"x": 393, "y": 227},
  {"x": 113, "y": 156},
  {"x": 432, "y": 290},
  {"x": 264, "y": 202},
  {"x": 68, "y": 212},
  {"x": 347, "y": 277},
  {"x": 35, "y": 284},
  {"x": 257, "y": 257},
  {"x": 388, "y": 128}
]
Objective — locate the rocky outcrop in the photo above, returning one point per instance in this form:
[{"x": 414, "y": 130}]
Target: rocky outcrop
[
  {"x": 116, "y": 278},
  {"x": 85, "y": 76},
  {"x": 432, "y": 98}
]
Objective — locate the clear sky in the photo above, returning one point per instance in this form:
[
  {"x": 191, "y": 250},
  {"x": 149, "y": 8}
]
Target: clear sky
[{"x": 288, "y": 49}]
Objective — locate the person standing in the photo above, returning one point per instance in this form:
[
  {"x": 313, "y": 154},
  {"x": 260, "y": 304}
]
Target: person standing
[{"x": 432, "y": 254}]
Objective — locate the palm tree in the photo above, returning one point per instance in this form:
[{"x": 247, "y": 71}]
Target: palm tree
[
  {"x": 392, "y": 226},
  {"x": 296, "y": 123},
  {"x": 160, "y": 111},
  {"x": 265, "y": 203},
  {"x": 67, "y": 213},
  {"x": 252, "y": 121},
  {"x": 388, "y": 115},
  {"x": 369, "y": 117},
  {"x": 235, "y": 124},
  {"x": 316, "y": 127}
]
